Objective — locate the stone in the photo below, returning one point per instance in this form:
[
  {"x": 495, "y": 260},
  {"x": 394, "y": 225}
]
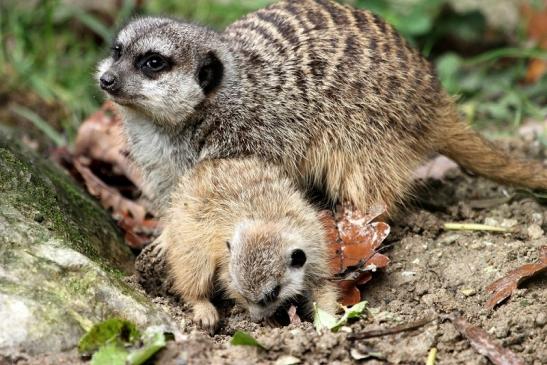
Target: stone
[
  {"x": 62, "y": 260},
  {"x": 534, "y": 232},
  {"x": 541, "y": 319}
]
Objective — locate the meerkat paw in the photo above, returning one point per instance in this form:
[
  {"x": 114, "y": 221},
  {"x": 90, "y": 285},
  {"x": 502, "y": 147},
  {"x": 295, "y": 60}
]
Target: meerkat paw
[
  {"x": 206, "y": 316},
  {"x": 158, "y": 248}
]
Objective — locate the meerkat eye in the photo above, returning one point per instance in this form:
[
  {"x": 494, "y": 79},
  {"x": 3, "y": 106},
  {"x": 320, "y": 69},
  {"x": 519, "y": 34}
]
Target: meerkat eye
[
  {"x": 298, "y": 258},
  {"x": 116, "y": 52},
  {"x": 228, "y": 245},
  {"x": 152, "y": 64}
]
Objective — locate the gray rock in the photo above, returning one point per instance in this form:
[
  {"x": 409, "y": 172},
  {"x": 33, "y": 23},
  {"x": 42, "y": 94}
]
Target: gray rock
[{"x": 63, "y": 272}]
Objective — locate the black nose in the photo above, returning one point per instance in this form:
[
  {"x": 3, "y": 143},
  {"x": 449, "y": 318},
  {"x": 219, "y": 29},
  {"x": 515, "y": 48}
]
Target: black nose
[
  {"x": 271, "y": 296},
  {"x": 109, "y": 82}
]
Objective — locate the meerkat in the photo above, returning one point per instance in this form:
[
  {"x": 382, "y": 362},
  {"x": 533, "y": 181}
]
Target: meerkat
[
  {"x": 241, "y": 225},
  {"x": 332, "y": 94}
]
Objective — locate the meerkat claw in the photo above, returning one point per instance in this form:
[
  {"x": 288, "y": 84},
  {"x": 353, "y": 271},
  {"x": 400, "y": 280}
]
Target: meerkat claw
[{"x": 206, "y": 316}]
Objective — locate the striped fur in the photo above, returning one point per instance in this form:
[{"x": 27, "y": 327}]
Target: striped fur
[{"x": 333, "y": 94}]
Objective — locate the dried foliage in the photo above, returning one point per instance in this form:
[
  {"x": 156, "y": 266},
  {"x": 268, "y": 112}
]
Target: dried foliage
[
  {"x": 503, "y": 288},
  {"x": 537, "y": 32},
  {"x": 483, "y": 343},
  {"x": 100, "y": 161},
  {"x": 354, "y": 241}
]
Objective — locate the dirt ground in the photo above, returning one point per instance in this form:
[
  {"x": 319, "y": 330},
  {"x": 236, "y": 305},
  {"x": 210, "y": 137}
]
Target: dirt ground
[{"x": 433, "y": 272}]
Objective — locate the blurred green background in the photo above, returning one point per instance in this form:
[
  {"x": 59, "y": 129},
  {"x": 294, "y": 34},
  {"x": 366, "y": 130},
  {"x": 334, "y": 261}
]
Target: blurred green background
[{"x": 483, "y": 50}]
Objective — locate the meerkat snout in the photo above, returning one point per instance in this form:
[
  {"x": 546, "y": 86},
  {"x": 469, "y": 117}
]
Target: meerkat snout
[
  {"x": 262, "y": 279},
  {"x": 109, "y": 83}
]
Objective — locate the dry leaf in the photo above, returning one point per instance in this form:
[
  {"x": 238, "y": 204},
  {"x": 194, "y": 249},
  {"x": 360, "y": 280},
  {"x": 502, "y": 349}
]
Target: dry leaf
[
  {"x": 100, "y": 137},
  {"x": 100, "y": 162},
  {"x": 354, "y": 242},
  {"x": 435, "y": 169},
  {"x": 483, "y": 343},
  {"x": 503, "y": 288},
  {"x": 537, "y": 31},
  {"x": 293, "y": 316}
]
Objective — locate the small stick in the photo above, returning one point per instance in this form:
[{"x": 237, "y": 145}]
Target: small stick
[
  {"x": 432, "y": 356},
  {"x": 393, "y": 330},
  {"x": 474, "y": 227}
]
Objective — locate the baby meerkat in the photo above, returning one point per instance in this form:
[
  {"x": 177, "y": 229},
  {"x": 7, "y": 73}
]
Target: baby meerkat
[
  {"x": 333, "y": 94},
  {"x": 242, "y": 226}
]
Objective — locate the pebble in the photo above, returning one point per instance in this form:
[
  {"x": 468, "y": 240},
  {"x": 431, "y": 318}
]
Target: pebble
[
  {"x": 534, "y": 232},
  {"x": 509, "y": 223},
  {"x": 468, "y": 292},
  {"x": 541, "y": 319},
  {"x": 502, "y": 330},
  {"x": 537, "y": 218},
  {"x": 449, "y": 239}
]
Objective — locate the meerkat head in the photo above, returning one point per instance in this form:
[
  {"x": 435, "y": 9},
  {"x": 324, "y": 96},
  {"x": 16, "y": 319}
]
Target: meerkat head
[
  {"x": 163, "y": 68},
  {"x": 268, "y": 266}
]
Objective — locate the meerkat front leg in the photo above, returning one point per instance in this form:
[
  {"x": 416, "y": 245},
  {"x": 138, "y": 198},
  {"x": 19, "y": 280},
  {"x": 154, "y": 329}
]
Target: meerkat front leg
[
  {"x": 326, "y": 297},
  {"x": 192, "y": 266}
]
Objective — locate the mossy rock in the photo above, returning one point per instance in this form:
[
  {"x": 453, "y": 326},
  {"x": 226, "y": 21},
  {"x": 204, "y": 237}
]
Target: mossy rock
[{"x": 62, "y": 259}]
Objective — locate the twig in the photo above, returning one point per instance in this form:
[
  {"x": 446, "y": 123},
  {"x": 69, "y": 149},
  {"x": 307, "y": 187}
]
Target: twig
[
  {"x": 474, "y": 227},
  {"x": 432, "y": 356},
  {"x": 393, "y": 330},
  {"x": 482, "y": 342}
]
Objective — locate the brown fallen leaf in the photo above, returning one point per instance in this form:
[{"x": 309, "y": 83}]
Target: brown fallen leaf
[
  {"x": 354, "y": 243},
  {"x": 435, "y": 168},
  {"x": 100, "y": 137},
  {"x": 503, "y": 288},
  {"x": 293, "y": 316},
  {"x": 485, "y": 345},
  {"x": 109, "y": 197},
  {"x": 101, "y": 163},
  {"x": 537, "y": 32}
]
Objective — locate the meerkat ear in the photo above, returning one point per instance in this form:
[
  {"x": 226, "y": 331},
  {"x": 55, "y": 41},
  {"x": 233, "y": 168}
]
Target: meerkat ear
[
  {"x": 228, "y": 245},
  {"x": 210, "y": 72}
]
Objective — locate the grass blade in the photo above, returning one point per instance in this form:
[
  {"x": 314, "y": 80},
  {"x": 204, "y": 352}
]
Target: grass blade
[{"x": 41, "y": 124}]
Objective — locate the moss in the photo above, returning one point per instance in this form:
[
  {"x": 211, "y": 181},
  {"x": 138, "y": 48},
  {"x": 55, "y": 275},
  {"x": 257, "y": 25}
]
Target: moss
[{"x": 35, "y": 186}]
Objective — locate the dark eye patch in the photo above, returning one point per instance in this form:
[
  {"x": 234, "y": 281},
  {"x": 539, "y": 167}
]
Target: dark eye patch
[{"x": 152, "y": 63}]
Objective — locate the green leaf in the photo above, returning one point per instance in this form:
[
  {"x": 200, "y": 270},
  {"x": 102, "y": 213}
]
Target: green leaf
[
  {"x": 322, "y": 320},
  {"x": 110, "y": 354},
  {"x": 152, "y": 344},
  {"x": 354, "y": 312},
  {"x": 241, "y": 338},
  {"x": 448, "y": 66},
  {"x": 112, "y": 331}
]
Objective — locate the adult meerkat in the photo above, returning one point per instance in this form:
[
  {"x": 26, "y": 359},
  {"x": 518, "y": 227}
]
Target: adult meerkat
[
  {"x": 333, "y": 94},
  {"x": 242, "y": 225}
]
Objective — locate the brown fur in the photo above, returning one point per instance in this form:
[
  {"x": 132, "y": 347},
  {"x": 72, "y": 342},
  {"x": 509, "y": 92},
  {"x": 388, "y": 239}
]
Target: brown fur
[
  {"x": 333, "y": 94},
  {"x": 256, "y": 208}
]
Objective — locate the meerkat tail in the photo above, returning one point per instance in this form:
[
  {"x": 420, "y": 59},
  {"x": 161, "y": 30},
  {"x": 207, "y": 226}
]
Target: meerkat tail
[{"x": 473, "y": 152}]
